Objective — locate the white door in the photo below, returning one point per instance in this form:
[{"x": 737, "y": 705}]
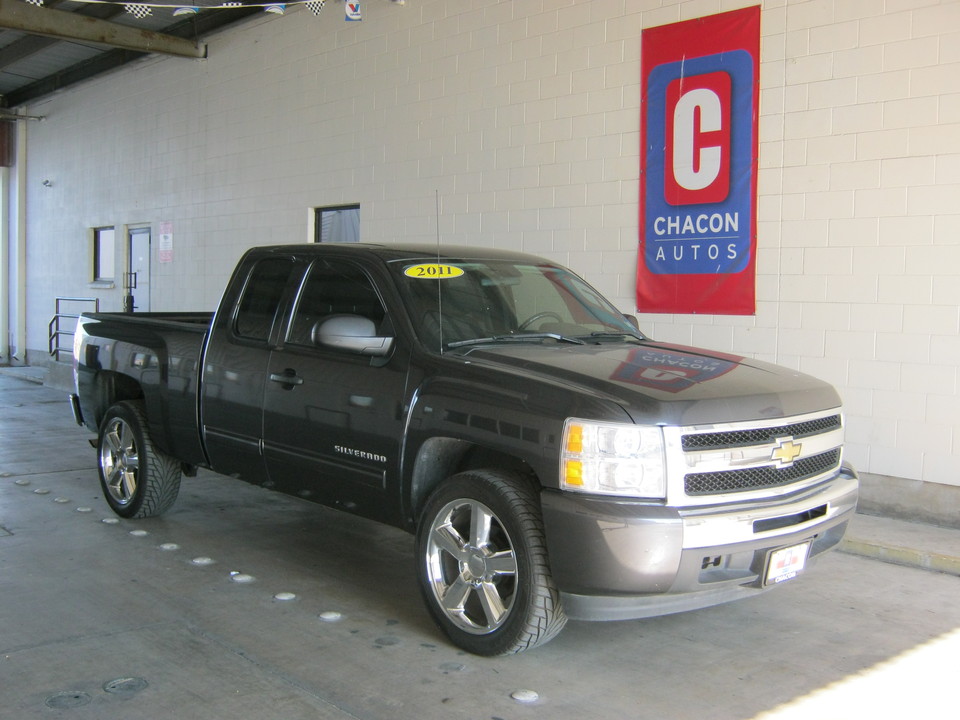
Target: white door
[{"x": 140, "y": 268}]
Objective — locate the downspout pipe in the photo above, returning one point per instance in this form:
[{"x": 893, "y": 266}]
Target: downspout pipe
[
  {"x": 20, "y": 224},
  {"x": 4, "y": 266}
]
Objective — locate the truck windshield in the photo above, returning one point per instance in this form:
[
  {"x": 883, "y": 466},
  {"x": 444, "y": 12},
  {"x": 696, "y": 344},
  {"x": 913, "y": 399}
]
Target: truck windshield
[{"x": 455, "y": 302}]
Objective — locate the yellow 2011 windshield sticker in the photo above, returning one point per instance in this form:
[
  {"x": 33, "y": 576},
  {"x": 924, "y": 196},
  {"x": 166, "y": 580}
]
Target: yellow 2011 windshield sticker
[{"x": 433, "y": 271}]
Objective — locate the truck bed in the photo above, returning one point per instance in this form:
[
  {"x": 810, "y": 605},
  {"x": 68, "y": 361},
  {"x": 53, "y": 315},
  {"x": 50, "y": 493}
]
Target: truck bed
[{"x": 161, "y": 352}]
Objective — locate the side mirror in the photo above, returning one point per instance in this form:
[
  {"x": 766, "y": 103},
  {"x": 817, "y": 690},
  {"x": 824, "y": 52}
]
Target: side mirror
[
  {"x": 352, "y": 333},
  {"x": 632, "y": 319}
]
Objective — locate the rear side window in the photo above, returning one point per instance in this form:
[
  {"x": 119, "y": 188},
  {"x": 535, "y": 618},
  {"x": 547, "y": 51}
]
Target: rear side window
[{"x": 260, "y": 304}]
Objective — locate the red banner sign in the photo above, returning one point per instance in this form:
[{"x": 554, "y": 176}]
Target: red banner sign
[{"x": 698, "y": 165}]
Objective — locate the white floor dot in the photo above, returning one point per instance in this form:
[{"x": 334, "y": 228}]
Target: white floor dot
[{"x": 525, "y": 696}]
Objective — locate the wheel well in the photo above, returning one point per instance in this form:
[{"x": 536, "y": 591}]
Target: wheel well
[
  {"x": 441, "y": 457},
  {"x": 111, "y": 388}
]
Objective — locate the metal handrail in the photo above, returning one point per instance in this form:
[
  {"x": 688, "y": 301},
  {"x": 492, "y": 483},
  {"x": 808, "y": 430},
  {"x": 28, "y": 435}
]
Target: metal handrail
[{"x": 55, "y": 331}]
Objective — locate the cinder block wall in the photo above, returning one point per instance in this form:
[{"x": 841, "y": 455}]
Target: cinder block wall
[{"x": 524, "y": 119}]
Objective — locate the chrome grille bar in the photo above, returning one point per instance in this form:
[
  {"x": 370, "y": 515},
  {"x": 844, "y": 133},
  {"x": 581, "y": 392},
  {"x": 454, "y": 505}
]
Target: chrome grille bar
[
  {"x": 760, "y": 477},
  {"x": 747, "y": 460},
  {"x": 759, "y": 436}
]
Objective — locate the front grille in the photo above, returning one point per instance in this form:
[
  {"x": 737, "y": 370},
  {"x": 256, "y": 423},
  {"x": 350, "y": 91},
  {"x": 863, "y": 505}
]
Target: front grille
[
  {"x": 726, "y": 481},
  {"x": 759, "y": 436}
]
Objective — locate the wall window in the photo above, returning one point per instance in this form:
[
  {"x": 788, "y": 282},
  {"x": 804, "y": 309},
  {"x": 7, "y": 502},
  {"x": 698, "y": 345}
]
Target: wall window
[
  {"x": 340, "y": 223},
  {"x": 104, "y": 254}
]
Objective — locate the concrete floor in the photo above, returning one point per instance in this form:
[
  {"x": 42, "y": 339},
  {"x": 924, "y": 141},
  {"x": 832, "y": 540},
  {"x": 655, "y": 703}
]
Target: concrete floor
[{"x": 121, "y": 619}]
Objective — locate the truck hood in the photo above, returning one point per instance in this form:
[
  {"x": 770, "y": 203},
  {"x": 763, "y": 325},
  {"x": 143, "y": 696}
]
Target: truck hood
[{"x": 666, "y": 384}]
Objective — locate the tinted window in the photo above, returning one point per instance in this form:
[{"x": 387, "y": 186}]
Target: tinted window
[
  {"x": 500, "y": 298},
  {"x": 260, "y": 302},
  {"x": 333, "y": 288}
]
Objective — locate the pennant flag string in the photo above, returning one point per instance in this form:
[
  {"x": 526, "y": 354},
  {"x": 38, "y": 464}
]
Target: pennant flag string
[
  {"x": 141, "y": 10},
  {"x": 137, "y": 10}
]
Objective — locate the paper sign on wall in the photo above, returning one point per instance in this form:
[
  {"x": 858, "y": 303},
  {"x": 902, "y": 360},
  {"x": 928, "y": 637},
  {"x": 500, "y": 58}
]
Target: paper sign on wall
[{"x": 166, "y": 242}]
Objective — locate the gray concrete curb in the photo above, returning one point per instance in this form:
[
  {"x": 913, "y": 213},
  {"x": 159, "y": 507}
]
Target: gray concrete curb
[
  {"x": 30, "y": 373},
  {"x": 919, "y": 545},
  {"x": 911, "y": 557}
]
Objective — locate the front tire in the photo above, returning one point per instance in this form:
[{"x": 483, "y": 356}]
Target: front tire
[
  {"x": 483, "y": 568},
  {"x": 137, "y": 479}
]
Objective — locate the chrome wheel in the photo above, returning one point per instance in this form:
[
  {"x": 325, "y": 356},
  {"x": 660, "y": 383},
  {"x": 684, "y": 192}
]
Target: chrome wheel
[
  {"x": 119, "y": 461},
  {"x": 471, "y": 566},
  {"x": 137, "y": 478},
  {"x": 482, "y": 562}
]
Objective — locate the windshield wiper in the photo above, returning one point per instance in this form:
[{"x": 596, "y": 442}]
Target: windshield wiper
[
  {"x": 524, "y": 337},
  {"x": 614, "y": 335}
]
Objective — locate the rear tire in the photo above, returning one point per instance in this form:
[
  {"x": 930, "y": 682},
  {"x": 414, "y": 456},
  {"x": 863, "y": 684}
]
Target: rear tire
[
  {"x": 137, "y": 479},
  {"x": 482, "y": 564}
]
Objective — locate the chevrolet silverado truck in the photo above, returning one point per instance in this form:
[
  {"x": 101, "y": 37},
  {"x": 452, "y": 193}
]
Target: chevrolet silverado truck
[{"x": 551, "y": 460}]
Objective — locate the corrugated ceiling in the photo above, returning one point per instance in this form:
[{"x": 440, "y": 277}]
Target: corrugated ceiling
[{"x": 61, "y": 43}]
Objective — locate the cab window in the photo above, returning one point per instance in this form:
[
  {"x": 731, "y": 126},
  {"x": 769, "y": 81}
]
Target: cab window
[
  {"x": 260, "y": 304},
  {"x": 333, "y": 288}
]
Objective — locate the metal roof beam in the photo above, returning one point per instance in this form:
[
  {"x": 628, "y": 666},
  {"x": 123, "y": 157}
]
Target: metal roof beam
[
  {"x": 18, "y": 15},
  {"x": 32, "y": 44}
]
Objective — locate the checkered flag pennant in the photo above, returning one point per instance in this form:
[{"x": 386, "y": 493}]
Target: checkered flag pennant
[
  {"x": 314, "y": 6},
  {"x": 138, "y": 11},
  {"x": 38, "y": 3}
]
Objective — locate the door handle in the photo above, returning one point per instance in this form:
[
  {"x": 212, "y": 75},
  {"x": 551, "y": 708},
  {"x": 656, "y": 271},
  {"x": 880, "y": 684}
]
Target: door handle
[{"x": 288, "y": 377}]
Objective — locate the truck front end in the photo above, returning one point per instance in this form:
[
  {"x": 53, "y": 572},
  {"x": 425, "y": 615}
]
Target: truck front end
[
  {"x": 656, "y": 519},
  {"x": 664, "y": 478}
]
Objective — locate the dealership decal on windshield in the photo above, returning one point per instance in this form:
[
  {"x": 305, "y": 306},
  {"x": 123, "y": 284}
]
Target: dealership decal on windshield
[{"x": 698, "y": 184}]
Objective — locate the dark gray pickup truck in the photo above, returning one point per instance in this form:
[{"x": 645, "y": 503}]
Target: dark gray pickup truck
[{"x": 553, "y": 462}]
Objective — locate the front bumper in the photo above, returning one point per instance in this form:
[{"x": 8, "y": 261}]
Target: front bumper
[{"x": 619, "y": 560}]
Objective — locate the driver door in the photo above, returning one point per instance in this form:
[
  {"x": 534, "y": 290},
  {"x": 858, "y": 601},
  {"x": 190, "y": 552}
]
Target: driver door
[{"x": 333, "y": 418}]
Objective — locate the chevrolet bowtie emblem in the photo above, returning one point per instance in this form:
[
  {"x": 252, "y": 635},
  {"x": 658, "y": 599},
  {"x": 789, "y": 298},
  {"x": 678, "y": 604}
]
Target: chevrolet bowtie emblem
[{"x": 785, "y": 452}]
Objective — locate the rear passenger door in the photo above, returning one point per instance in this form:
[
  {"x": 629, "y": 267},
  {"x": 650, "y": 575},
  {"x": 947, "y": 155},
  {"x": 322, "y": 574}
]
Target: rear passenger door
[
  {"x": 332, "y": 418},
  {"x": 235, "y": 366}
]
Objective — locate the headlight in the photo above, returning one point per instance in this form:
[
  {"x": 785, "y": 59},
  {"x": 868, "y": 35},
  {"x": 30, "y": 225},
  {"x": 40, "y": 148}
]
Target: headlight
[{"x": 612, "y": 459}]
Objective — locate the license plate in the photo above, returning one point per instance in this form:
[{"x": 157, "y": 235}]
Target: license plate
[{"x": 786, "y": 563}]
